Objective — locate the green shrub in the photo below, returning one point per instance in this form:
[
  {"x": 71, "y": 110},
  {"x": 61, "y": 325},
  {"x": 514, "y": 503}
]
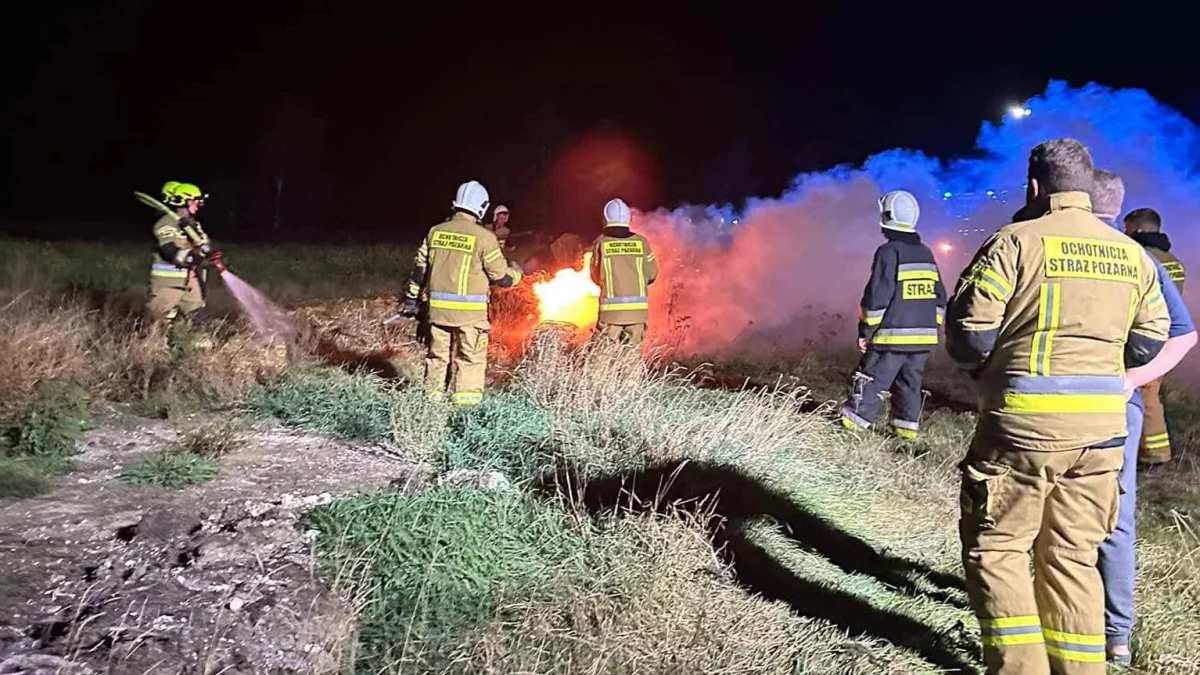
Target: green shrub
[
  {"x": 51, "y": 425},
  {"x": 435, "y": 565},
  {"x": 170, "y": 469},
  {"x": 506, "y": 433},
  {"x": 355, "y": 406},
  {"x": 22, "y": 477}
]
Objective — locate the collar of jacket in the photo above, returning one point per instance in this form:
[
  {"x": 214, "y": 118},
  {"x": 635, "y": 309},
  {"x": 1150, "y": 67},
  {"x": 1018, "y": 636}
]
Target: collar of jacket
[
  {"x": 463, "y": 215},
  {"x": 1055, "y": 202},
  {"x": 618, "y": 231},
  {"x": 906, "y": 237},
  {"x": 1158, "y": 240},
  {"x": 1060, "y": 201}
]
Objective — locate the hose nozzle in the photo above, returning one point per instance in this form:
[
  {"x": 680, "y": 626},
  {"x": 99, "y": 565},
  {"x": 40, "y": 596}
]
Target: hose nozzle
[{"x": 217, "y": 260}]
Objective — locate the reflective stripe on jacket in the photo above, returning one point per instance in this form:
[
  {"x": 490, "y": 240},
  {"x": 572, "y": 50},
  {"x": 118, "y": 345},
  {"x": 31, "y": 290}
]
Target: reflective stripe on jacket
[
  {"x": 1047, "y": 317},
  {"x": 623, "y": 266},
  {"x": 904, "y": 301},
  {"x": 457, "y": 262}
]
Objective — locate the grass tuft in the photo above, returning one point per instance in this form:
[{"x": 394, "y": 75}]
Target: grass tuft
[
  {"x": 211, "y": 441},
  {"x": 437, "y": 564},
  {"x": 354, "y": 406},
  {"x": 170, "y": 469}
]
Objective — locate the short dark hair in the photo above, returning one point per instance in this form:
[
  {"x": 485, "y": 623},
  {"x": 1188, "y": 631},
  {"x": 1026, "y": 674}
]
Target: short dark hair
[
  {"x": 1062, "y": 165},
  {"x": 1146, "y": 220}
]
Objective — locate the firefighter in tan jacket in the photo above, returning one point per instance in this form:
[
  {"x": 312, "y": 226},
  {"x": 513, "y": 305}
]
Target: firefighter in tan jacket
[
  {"x": 1047, "y": 318},
  {"x": 1145, "y": 227},
  {"x": 457, "y": 262},
  {"x": 177, "y": 282},
  {"x": 623, "y": 266}
]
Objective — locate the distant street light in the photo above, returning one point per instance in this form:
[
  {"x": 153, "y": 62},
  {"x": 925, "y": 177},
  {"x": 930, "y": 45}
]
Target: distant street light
[
  {"x": 945, "y": 247},
  {"x": 1019, "y": 112}
]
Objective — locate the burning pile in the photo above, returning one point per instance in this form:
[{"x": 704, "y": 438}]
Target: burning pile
[{"x": 569, "y": 296}]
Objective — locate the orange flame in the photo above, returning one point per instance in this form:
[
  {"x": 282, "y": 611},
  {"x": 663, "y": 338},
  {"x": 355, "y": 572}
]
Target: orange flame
[{"x": 570, "y": 296}]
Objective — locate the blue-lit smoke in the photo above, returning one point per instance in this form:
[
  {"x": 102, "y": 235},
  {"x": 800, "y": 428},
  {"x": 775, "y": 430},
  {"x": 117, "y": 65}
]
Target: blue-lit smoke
[{"x": 793, "y": 267}]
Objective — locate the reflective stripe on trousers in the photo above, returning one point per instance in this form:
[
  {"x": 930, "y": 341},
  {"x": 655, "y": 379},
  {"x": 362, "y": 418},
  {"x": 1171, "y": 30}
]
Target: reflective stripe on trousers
[{"x": 456, "y": 301}]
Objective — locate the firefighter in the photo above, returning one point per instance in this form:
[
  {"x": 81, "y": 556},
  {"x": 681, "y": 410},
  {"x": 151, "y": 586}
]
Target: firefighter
[
  {"x": 1047, "y": 318},
  {"x": 178, "y": 283},
  {"x": 1145, "y": 227},
  {"x": 903, "y": 304},
  {"x": 623, "y": 266},
  {"x": 1117, "y": 555},
  {"x": 456, "y": 263},
  {"x": 499, "y": 225}
]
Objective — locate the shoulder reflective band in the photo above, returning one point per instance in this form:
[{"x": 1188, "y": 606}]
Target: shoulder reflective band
[
  {"x": 872, "y": 317},
  {"x": 1049, "y": 300},
  {"x": 453, "y": 241},
  {"x": 457, "y": 301},
  {"x": 992, "y": 283},
  {"x": 493, "y": 256},
  {"x": 1079, "y": 258},
  {"x": 1061, "y": 394},
  {"x": 905, "y": 336},
  {"x": 624, "y": 303},
  {"x": 917, "y": 271},
  {"x": 168, "y": 271},
  {"x": 622, "y": 247}
]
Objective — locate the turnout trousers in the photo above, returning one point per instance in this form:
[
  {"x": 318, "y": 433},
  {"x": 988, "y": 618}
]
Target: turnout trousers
[
  {"x": 168, "y": 300},
  {"x": 880, "y": 371},
  {"x": 631, "y": 334},
  {"x": 469, "y": 345},
  {"x": 1060, "y": 505},
  {"x": 1156, "y": 442}
]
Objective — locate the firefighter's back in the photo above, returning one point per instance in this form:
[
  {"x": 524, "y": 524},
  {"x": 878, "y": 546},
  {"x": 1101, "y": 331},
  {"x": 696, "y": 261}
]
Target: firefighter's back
[
  {"x": 458, "y": 287},
  {"x": 625, "y": 277},
  {"x": 1056, "y": 376}
]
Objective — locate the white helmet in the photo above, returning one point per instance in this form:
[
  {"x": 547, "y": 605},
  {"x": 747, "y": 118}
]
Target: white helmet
[
  {"x": 616, "y": 214},
  {"x": 899, "y": 211},
  {"x": 472, "y": 198},
  {"x": 500, "y": 208}
]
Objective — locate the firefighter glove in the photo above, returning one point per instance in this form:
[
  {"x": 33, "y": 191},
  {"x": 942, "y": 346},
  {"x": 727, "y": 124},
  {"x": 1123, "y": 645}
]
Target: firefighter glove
[{"x": 410, "y": 308}]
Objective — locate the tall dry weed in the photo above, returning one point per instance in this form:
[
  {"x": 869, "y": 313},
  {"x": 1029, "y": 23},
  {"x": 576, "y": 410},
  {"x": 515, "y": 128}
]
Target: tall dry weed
[{"x": 115, "y": 356}]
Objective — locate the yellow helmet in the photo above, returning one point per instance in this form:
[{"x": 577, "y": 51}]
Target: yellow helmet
[
  {"x": 168, "y": 190},
  {"x": 184, "y": 193}
]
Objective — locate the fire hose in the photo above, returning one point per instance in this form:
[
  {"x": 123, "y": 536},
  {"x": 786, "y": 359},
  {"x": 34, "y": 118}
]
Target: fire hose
[{"x": 213, "y": 259}]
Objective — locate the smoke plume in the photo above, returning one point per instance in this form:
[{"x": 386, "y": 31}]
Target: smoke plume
[{"x": 791, "y": 269}]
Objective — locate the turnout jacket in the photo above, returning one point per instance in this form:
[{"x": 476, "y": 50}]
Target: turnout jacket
[
  {"x": 176, "y": 235},
  {"x": 1047, "y": 317},
  {"x": 623, "y": 266},
  {"x": 1158, "y": 245},
  {"x": 458, "y": 260},
  {"x": 904, "y": 301}
]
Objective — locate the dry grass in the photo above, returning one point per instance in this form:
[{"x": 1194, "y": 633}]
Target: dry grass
[{"x": 114, "y": 356}]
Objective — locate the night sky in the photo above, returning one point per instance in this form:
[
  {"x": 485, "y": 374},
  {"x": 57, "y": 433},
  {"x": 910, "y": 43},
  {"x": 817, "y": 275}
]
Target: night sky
[{"x": 369, "y": 117}]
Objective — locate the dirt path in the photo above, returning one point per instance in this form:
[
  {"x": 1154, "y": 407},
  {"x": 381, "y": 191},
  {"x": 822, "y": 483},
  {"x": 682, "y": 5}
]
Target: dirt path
[{"x": 100, "y": 577}]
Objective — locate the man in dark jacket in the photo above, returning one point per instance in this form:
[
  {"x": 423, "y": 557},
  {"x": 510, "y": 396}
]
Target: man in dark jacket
[{"x": 902, "y": 306}]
